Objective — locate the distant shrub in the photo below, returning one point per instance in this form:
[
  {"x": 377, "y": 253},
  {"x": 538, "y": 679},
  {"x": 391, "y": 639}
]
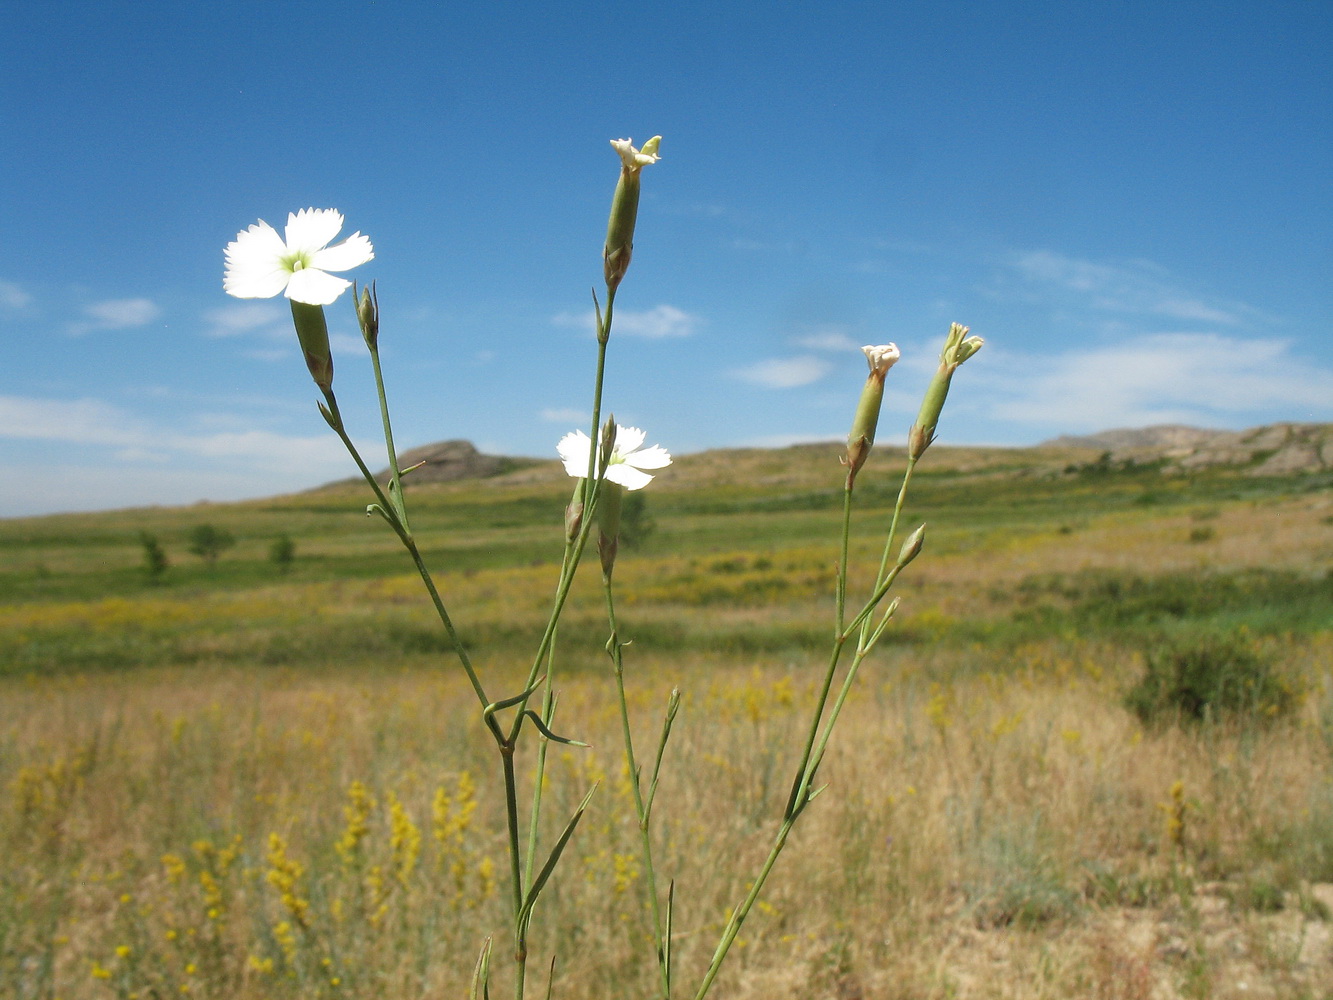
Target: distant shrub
[
  {"x": 155, "y": 561},
  {"x": 1205, "y": 533},
  {"x": 209, "y": 542},
  {"x": 1204, "y": 676},
  {"x": 282, "y": 553},
  {"x": 636, "y": 524}
]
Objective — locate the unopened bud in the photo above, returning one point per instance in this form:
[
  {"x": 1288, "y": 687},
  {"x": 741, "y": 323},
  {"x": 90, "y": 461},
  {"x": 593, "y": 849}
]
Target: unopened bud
[
  {"x": 368, "y": 315},
  {"x": 862, "y": 436},
  {"x": 625, "y": 208},
  {"x": 607, "y": 444},
  {"x": 574, "y": 512},
  {"x": 958, "y": 347},
  {"x": 313, "y": 333},
  {"x": 609, "y": 504},
  {"x": 912, "y": 547}
]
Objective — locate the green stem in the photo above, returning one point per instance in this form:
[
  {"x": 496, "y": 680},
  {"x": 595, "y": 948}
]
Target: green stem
[
  {"x": 515, "y": 871},
  {"x": 591, "y": 489},
  {"x": 396, "y": 482},
  {"x": 394, "y": 517},
  {"x": 534, "y": 820},
  {"x": 795, "y": 801},
  {"x": 738, "y": 917},
  {"x": 893, "y": 524},
  {"x": 615, "y": 648},
  {"x": 842, "y": 558}
]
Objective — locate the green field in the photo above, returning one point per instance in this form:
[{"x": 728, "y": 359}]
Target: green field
[{"x": 245, "y": 779}]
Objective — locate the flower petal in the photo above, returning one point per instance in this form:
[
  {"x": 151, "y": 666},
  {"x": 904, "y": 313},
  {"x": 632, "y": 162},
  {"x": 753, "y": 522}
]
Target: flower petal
[
  {"x": 254, "y": 268},
  {"x": 354, "y": 250},
  {"x": 628, "y": 476},
  {"x": 655, "y": 457},
  {"x": 573, "y": 449},
  {"x": 313, "y": 287},
  {"x": 627, "y": 440},
  {"x": 312, "y": 229}
]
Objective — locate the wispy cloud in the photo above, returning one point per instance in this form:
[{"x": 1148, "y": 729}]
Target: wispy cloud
[
  {"x": 86, "y": 421},
  {"x": 13, "y": 297},
  {"x": 116, "y": 314},
  {"x": 828, "y": 338},
  {"x": 656, "y": 323},
  {"x": 1191, "y": 378},
  {"x": 242, "y": 318},
  {"x": 1133, "y": 287},
  {"x": 568, "y": 415},
  {"x": 94, "y": 422},
  {"x": 784, "y": 373}
]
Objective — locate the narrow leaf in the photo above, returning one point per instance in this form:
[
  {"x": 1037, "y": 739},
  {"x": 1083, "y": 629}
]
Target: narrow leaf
[
  {"x": 541, "y": 728},
  {"x": 481, "y": 976},
  {"x": 539, "y": 883}
]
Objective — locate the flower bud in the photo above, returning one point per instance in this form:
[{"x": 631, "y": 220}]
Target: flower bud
[
  {"x": 368, "y": 315},
  {"x": 912, "y": 547},
  {"x": 862, "y": 436},
  {"x": 609, "y": 505},
  {"x": 313, "y": 333},
  {"x": 607, "y": 442},
  {"x": 625, "y": 208},
  {"x": 958, "y": 347},
  {"x": 574, "y": 512}
]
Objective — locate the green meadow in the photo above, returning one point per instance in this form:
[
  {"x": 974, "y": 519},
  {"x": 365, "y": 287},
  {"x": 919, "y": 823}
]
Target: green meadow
[{"x": 1093, "y": 756}]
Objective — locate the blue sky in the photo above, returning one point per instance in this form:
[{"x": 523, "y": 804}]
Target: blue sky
[{"x": 1130, "y": 202}]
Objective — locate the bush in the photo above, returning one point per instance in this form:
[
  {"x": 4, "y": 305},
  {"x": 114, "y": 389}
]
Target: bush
[
  {"x": 1204, "y": 676},
  {"x": 209, "y": 542}
]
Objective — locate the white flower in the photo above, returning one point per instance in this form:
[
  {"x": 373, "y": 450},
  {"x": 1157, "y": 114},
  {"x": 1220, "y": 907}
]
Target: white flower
[
  {"x": 881, "y": 358},
  {"x": 635, "y": 159},
  {"x": 627, "y": 460},
  {"x": 260, "y": 264}
]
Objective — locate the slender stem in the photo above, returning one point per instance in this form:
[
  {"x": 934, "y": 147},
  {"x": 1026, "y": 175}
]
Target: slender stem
[
  {"x": 893, "y": 524},
  {"x": 396, "y": 487},
  {"x": 738, "y": 917},
  {"x": 515, "y": 870},
  {"x": 534, "y": 820},
  {"x": 842, "y": 557},
  {"x": 645, "y": 837},
  {"x": 796, "y": 799},
  {"x": 591, "y": 489},
  {"x": 395, "y": 517}
]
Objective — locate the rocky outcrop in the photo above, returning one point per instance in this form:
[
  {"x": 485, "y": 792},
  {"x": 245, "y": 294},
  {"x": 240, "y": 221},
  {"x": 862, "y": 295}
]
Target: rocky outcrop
[
  {"x": 1271, "y": 450},
  {"x": 445, "y": 462}
]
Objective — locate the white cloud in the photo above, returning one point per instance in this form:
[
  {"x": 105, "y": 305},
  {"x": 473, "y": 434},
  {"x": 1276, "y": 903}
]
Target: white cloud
[
  {"x": 564, "y": 416},
  {"x": 784, "y": 373},
  {"x": 87, "y": 421},
  {"x": 13, "y": 297},
  {"x": 1136, "y": 287},
  {"x": 827, "y": 339},
  {"x": 242, "y": 318},
  {"x": 116, "y": 314},
  {"x": 344, "y": 344},
  {"x": 1191, "y": 378},
  {"x": 656, "y": 323},
  {"x": 77, "y": 488},
  {"x": 130, "y": 452}
]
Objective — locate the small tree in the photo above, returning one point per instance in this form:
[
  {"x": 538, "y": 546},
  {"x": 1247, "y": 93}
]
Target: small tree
[
  {"x": 155, "y": 560},
  {"x": 282, "y": 553},
  {"x": 636, "y": 524},
  {"x": 209, "y": 542}
]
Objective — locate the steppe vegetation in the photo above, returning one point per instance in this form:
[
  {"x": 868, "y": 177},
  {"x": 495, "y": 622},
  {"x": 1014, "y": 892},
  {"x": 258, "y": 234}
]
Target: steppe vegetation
[{"x": 1093, "y": 758}]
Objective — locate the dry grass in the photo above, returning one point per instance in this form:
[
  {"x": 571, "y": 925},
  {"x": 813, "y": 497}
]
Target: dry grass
[
  {"x": 986, "y": 834},
  {"x": 255, "y": 806}
]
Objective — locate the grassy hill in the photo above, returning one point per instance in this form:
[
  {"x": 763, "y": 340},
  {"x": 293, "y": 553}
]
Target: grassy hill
[
  {"x": 248, "y": 780},
  {"x": 736, "y": 532}
]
